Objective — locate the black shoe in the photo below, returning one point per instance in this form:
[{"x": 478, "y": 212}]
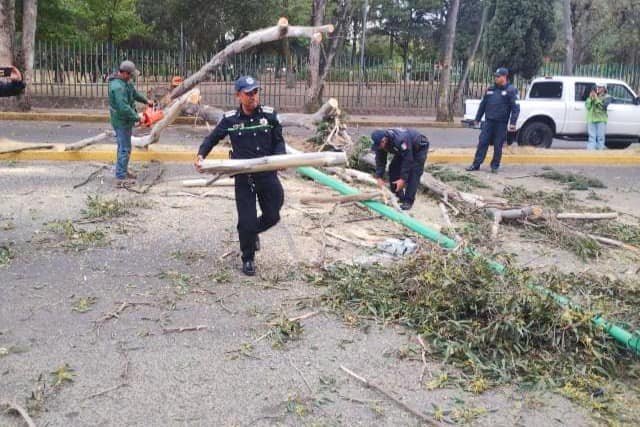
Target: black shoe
[
  {"x": 472, "y": 168},
  {"x": 405, "y": 206},
  {"x": 249, "y": 268},
  {"x": 257, "y": 243}
]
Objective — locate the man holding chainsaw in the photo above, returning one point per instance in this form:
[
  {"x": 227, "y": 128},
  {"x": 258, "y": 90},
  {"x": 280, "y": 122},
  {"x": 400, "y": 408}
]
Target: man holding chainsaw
[
  {"x": 254, "y": 131},
  {"x": 122, "y": 97},
  {"x": 409, "y": 148}
]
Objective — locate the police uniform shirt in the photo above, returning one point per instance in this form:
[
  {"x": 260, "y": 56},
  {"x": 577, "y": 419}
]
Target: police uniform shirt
[
  {"x": 500, "y": 104},
  {"x": 256, "y": 135},
  {"x": 403, "y": 143}
]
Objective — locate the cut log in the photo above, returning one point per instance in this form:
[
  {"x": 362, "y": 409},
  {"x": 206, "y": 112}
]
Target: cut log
[
  {"x": 340, "y": 199},
  {"x": 587, "y": 216},
  {"x": 27, "y": 148},
  {"x": 498, "y": 215},
  {"x": 271, "y": 163},
  {"x": 253, "y": 39},
  {"x": 89, "y": 141},
  {"x": 170, "y": 115}
]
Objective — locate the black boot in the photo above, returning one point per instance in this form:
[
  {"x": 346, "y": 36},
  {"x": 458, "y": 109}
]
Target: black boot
[
  {"x": 405, "y": 206},
  {"x": 249, "y": 268},
  {"x": 472, "y": 168}
]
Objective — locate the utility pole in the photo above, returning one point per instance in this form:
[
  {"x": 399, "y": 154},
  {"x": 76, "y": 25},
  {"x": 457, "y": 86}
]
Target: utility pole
[{"x": 365, "y": 12}]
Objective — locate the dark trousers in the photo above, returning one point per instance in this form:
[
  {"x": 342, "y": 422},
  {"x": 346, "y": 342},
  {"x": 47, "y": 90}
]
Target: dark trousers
[
  {"x": 408, "y": 194},
  {"x": 267, "y": 188},
  {"x": 495, "y": 133}
]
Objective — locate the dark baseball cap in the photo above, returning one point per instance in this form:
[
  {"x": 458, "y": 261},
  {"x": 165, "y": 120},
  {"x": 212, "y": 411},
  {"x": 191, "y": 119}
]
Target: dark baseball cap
[
  {"x": 501, "y": 72},
  {"x": 246, "y": 84},
  {"x": 376, "y": 137}
]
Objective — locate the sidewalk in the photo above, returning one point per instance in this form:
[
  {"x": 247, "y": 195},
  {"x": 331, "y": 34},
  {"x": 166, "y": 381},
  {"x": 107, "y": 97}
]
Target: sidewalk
[{"x": 102, "y": 116}]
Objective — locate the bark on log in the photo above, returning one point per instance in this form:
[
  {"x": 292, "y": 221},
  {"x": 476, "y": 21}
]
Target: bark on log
[
  {"x": 340, "y": 199},
  {"x": 270, "y": 163},
  {"x": 498, "y": 215},
  {"x": 89, "y": 141},
  {"x": 255, "y": 38}
]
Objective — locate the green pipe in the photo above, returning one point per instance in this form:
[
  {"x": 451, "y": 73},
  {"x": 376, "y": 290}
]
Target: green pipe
[{"x": 621, "y": 335}]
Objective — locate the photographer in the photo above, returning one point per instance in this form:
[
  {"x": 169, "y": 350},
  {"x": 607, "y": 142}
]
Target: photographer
[
  {"x": 11, "y": 83},
  {"x": 597, "y": 118}
]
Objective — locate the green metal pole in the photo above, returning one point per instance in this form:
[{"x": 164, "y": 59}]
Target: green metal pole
[{"x": 630, "y": 340}]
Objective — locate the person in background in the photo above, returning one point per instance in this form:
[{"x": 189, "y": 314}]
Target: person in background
[
  {"x": 14, "y": 85},
  {"x": 500, "y": 108},
  {"x": 596, "y": 106},
  {"x": 122, "y": 110}
]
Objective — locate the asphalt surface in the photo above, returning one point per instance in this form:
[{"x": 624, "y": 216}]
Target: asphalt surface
[{"x": 61, "y": 132}]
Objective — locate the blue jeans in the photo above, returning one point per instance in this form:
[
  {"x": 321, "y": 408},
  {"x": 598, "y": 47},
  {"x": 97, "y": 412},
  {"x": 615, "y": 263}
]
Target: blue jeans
[
  {"x": 492, "y": 132},
  {"x": 597, "y": 132},
  {"x": 123, "y": 136}
]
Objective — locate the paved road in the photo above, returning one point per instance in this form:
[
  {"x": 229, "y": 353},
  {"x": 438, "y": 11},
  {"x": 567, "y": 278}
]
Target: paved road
[{"x": 60, "y": 132}]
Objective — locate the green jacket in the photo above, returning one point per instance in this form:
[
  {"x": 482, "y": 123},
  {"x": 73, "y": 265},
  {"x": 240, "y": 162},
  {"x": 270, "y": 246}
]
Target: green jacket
[
  {"x": 122, "y": 97},
  {"x": 597, "y": 109}
]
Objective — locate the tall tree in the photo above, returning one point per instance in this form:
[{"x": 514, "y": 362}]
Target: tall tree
[
  {"x": 472, "y": 56},
  {"x": 29, "y": 22},
  {"x": 445, "y": 112},
  {"x": 568, "y": 37},
  {"x": 7, "y": 31},
  {"x": 519, "y": 34}
]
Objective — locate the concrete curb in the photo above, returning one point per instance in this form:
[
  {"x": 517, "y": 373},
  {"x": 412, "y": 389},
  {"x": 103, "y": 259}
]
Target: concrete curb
[
  {"x": 104, "y": 118},
  {"x": 179, "y": 154}
]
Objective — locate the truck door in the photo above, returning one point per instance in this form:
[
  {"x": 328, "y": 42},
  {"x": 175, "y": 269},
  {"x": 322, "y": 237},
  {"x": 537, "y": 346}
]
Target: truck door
[
  {"x": 576, "y": 122},
  {"x": 624, "y": 115}
]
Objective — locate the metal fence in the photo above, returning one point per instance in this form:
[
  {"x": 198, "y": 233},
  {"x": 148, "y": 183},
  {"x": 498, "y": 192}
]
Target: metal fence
[{"x": 81, "y": 70}]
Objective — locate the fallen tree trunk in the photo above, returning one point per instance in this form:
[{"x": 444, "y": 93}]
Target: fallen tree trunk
[
  {"x": 498, "y": 215},
  {"x": 170, "y": 115},
  {"x": 271, "y": 163},
  {"x": 253, "y": 39},
  {"x": 587, "y": 216}
]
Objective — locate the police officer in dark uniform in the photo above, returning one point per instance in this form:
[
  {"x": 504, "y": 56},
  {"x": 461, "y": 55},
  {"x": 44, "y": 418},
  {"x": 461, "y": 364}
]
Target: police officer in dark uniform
[
  {"x": 500, "y": 107},
  {"x": 254, "y": 131},
  {"x": 409, "y": 148}
]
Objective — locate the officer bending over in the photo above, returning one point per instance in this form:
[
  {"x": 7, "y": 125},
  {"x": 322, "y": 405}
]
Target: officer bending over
[
  {"x": 254, "y": 131},
  {"x": 500, "y": 108},
  {"x": 409, "y": 148}
]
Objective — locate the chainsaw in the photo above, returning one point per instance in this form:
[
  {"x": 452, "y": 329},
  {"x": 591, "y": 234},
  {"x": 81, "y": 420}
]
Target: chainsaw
[{"x": 151, "y": 115}]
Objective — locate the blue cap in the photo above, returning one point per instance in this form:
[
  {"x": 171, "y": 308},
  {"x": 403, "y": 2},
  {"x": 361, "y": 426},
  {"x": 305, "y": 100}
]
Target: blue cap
[
  {"x": 246, "y": 84},
  {"x": 377, "y": 136},
  {"x": 501, "y": 72}
]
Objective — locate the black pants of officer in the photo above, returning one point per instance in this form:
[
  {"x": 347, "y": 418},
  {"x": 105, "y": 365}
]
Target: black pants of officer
[
  {"x": 493, "y": 132},
  {"x": 408, "y": 194},
  {"x": 267, "y": 188}
]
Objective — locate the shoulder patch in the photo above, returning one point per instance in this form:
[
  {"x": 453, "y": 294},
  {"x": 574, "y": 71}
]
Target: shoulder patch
[
  {"x": 230, "y": 113},
  {"x": 268, "y": 110}
]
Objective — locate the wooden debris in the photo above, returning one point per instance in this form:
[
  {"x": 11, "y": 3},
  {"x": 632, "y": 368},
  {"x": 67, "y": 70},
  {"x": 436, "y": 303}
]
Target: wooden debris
[
  {"x": 587, "y": 216},
  {"x": 389, "y": 396},
  {"x": 447, "y": 222},
  {"x": 498, "y": 215},
  {"x": 270, "y": 163},
  {"x": 347, "y": 240},
  {"x": 109, "y": 390},
  {"x": 91, "y": 176},
  {"x": 184, "y": 329},
  {"x": 211, "y": 182},
  {"x": 301, "y": 375},
  {"x": 89, "y": 141},
  {"x": 27, "y": 148},
  {"x": 14, "y": 407},
  {"x": 340, "y": 199},
  {"x": 304, "y": 316}
]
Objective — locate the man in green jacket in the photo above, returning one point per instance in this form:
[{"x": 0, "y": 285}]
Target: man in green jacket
[
  {"x": 122, "y": 97},
  {"x": 596, "y": 106}
]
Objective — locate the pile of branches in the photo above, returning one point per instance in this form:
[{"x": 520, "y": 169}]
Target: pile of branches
[{"x": 495, "y": 329}]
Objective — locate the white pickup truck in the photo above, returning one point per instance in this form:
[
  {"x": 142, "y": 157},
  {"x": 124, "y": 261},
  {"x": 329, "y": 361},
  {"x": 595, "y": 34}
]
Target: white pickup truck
[{"x": 555, "y": 108}]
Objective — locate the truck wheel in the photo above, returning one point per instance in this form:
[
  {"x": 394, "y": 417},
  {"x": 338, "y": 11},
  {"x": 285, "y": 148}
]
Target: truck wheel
[
  {"x": 617, "y": 145},
  {"x": 536, "y": 134}
]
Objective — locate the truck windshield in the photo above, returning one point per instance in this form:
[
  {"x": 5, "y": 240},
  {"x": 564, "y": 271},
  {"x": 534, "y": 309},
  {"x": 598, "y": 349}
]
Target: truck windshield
[{"x": 546, "y": 90}]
